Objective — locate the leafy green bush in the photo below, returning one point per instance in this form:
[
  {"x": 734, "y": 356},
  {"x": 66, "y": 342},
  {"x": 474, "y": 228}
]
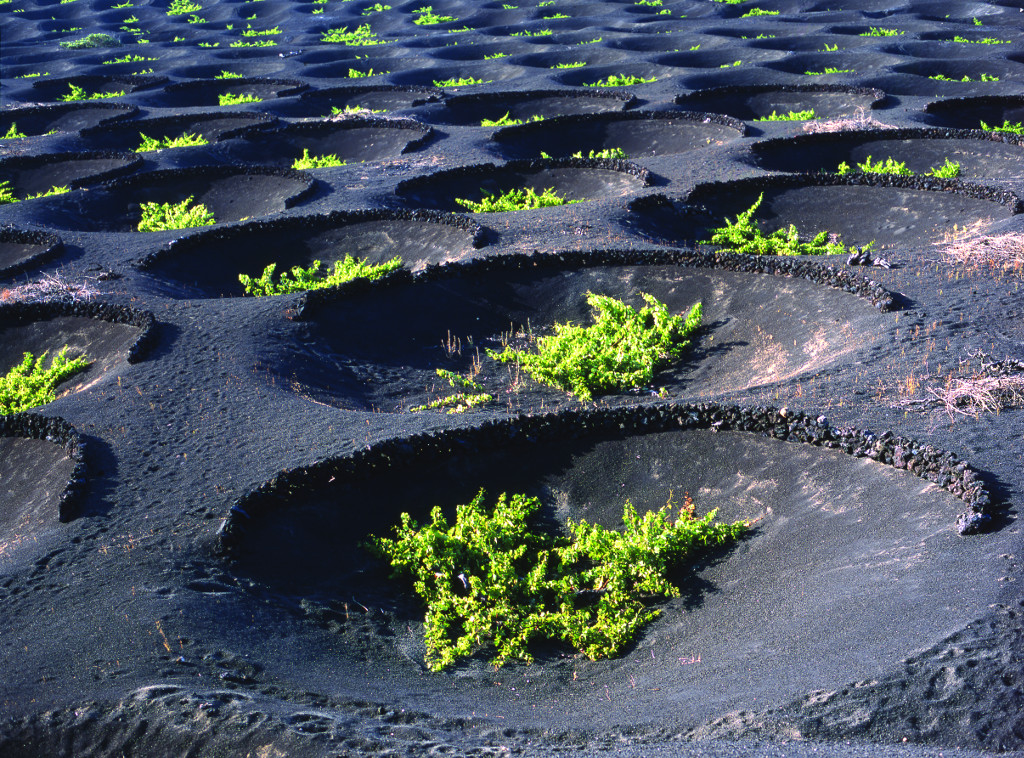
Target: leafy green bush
[
  {"x": 947, "y": 170},
  {"x": 78, "y": 93},
  {"x": 354, "y": 110},
  {"x": 621, "y": 350},
  {"x": 515, "y": 200},
  {"x": 875, "y": 31},
  {"x": 226, "y": 98},
  {"x": 790, "y": 116},
  {"x": 1017, "y": 128},
  {"x": 90, "y": 41},
  {"x": 609, "y": 153},
  {"x": 227, "y": 75},
  {"x": 185, "y": 140},
  {"x": 507, "y": 120},
  {"x": 967, "y": 78},
  {"x": 743, "y": 236},
  {"x": 7, "y": 193},
  {"x": 317, "y": 161},
  {"x": 427, "y": 17},
  {"x": 829, "y": 70},
  {"x": 459, "y": 82},
  {"x": 160, "y": 217},
  {"x": 30, "y": 384},
  {"x": 461, "y": 401},
  {"x": 181, "y": 7},
  {"x": 759, "y": 12},
  {"x": 620, "y": 80},
  {"x": 983, "y": 41},
  {"x": 361, "y": 36},
  {"x": 13, "y": 133},
  {"x": 302, "y": 279},
  {"x": 491, "y": 580}
]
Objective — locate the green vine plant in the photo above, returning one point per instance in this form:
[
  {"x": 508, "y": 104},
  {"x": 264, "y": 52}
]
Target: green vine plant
[
  {"x": 13, "y": 133},
  {"x": 743, "y": 236},
  {"x": 226, "y": 98},
  {"x": 362, "y": 36},
  {"x": 491, "y": 580},
  {"x": 621, "y": 350},
  {"x": 875, "y": 31},
  {"x": 308, "y": 161},
  {"x": 78, "y": 93},
  {"x": 185, "y": 140},
  {"x": 302, "y": 279},
  {"x": 461, "y": 401},
  {"x": 459, "y": 82},
  {"x": 1007, "y": 127},
  {"x": 354, "y": 110},
  {"x": 620, "y": 80},
  {"x": 966, "y": 78},
  {"x": 160, "y": 217},
  {"x": 427, "y": 17},
  {"x": 30, "y": 384},
  {"x": 609, "y": 153},
  {"x": 807, "y": 115},
  {"x": 7, "y": 193},
  {"x": 948, "y": 170},
  {"x": 515, "y": 200},
  {"x": 507, "y": 120}
]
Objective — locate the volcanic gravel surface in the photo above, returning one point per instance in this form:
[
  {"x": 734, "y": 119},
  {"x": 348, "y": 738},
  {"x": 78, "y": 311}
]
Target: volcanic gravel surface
[{"x": 183, "y": 562}]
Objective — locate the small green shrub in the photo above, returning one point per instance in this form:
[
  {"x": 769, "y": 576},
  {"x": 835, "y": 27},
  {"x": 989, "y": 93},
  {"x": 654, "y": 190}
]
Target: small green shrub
[
  {"x": 354, "y": 73},
  {"x": 302, "y": 279},
  {"x": 127, "y": 59},
  {"x": 227, "y": 75},
  {"x": 743, "y": 236},
  {"x": 577, "y": 64},
  {"x": 7, "y": 193},
  {"x": 829, "y": 48},
  {"x": 829, "y": 70},
  {"x": 427, "y": 17},
  {"x": 254, "y": 43},
  {"x": 1017, "y": 128},
  {"x": 29, "y": 384},
  {"x": 13, "y": 133},
  {"x": 759, "y": 12},
  {"x": 461, "y": 401},
  {"x": 515, "y": 200},
  {"x": 609, "y": 153},
  {"x": 159, "y": 217},
  {"x": 528, "y": 33},
  {"x": 875, "y": 31},
  {"x": 495, "y": 56},
  {"x": 948, "y": 170},
  {"x": 181, "y": 7},
  {"x": 621, "y": 350},
  {"x": 91, "y": 40},
  {"x": 967, "y": 78},
  {"x": 507, "y": 120},
  {"x": 354, "y": 110},
  {"x": 317, "y": 161},
  {"x": 226, "y": 98},
  {"x": 185, "y": 140},
  {"x": 984, "y": 41},
  {"x": 77, "y": 93},
  {"x": 361, "y": 36},
  {"x": 375, "y": 8},
  {"x": 459, "y": 82},
  {"x": 491, "y": 580},
  {"x": 621, "y": 80},
  {"x": 790, "y": 116}
]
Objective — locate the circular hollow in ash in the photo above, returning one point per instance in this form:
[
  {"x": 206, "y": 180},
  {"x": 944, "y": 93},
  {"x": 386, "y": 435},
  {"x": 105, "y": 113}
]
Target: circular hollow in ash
[
  {"x": 908, "y": 212},
  {"x": 43, "y": 119},
  {"x": 757, "y": 329},
  {"x": 572, "y": 179},
  {"x": 208, "y": 264},
  {"x": 35, "y": 174},
  {"x": 22, "y": 250},
  {"x": 470, "y": 110},
  {"x": 969, "y": 112},
  {"x": 213, "y": 127},
  {"x": 979, "y": 156},
  {"x": 231, "y": 193},
  {"x": 203, "y": 94},
  {"x": 847, "y": 572},
  {"x": 749, "y": 103},
  {"x": 54, "y": 89},
  {"x": 638, "y": 134},
  {"x": 352, "y": 140},
  {"x": 106, "y": 344},
  {"x": 321, "y": 103}
]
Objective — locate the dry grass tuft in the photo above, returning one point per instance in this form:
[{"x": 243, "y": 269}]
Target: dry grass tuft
[
  {"x": 861, "y": 121},
  {"x": 1000, "y": 252},
  {"x": 52, "y": 288},
  {"x": 989, "y": 388}
]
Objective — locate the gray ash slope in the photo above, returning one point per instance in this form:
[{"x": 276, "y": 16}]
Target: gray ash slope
[{"x": 129, "y": 630}]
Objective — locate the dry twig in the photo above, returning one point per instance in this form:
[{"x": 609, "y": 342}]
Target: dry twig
[
  {"x": 969, "y": 247},
  {"x": 861, "y": 121},
  {"x": 52, "y": 288},
  {"x": 994, "y": 386}
]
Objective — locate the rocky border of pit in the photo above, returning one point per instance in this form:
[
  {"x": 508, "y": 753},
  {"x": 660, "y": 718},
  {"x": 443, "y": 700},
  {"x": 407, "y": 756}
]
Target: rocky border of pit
[
  {"x": 61, "y": 433},
  {"x": 940, "y": 467},
  {"x": 52, "y": 247}
]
